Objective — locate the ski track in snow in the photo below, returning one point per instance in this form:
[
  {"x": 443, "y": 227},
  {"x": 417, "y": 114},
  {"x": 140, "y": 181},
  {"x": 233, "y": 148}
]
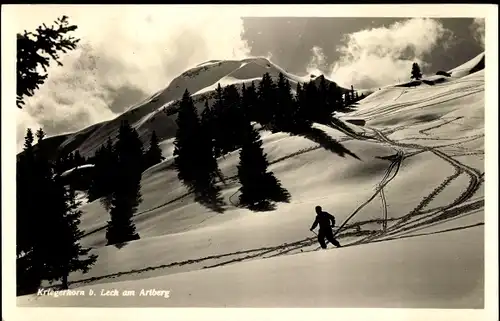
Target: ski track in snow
[{"x": 475, "y": 182}]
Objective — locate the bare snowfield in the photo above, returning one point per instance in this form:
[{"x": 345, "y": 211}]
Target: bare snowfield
[
  {"x": 345, "y": 278},
  {"x": 417, "y": 165}
]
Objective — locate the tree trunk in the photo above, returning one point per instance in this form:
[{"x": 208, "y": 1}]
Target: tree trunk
[{"x": 65, "y": 281}]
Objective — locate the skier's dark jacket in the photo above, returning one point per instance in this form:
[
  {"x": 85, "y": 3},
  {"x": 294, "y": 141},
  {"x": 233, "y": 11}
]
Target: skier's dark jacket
[{"x": 323, "y": 219}]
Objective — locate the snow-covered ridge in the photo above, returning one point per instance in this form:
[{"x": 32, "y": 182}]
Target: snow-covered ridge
[
  {"x": 475, "y": 64},
  {"x": 472, "y": 66},
  {"x": 155, "y": 113}
]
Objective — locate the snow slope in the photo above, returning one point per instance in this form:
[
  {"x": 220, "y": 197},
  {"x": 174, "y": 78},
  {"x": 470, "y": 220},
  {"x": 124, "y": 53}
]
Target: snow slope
[
  {"x": 336, "y": 278},
  {"x": 409, "y": 187},
  {"x": 465, "y": 69}
]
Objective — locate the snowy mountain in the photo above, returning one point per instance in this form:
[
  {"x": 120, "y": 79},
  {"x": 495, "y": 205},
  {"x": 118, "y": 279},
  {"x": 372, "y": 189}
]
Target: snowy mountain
[
  {"x": 158, "y": 112},
  {"x": 411, "y": 207},
  {"x": 471, "y": 66}
]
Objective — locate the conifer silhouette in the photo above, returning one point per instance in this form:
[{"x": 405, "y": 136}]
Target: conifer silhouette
[
  {"x": 415, "y": 72},
  {"x": 126, "y": 195},
  {"x": 258, "y": 186},
  {"x": 153, "y": 155},
  {"x": 186, "y": 143},
  {"x": 64, "y": 252},
  {"x": 283, "y": 113},
  {"x": 266, "y": 100},
  {"x": 34, "y": 52}
]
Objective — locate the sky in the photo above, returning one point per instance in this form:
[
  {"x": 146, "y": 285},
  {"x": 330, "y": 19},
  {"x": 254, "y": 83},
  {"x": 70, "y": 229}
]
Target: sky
[
  {"x": 361, "y": 51},
  {"x": 128, "y": 53}
]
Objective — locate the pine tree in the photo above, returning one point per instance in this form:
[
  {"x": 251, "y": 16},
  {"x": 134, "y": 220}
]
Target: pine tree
[
  {"x": 194, "y": 159},
  {"x": 311, "y": 101},
  {"x": 207, "y": 118},
  {"x": 249, "y": 102},
  {"x": 301, "y": 117},
  {"x": 244, "y": 101},
  {"x": 210, "y": 128},
  {"x": 28, "y": 269},
  {"x": 415, "y": 72},
  {"x": 224, "y": 121},
  {"x": 26, "y": 166},
  {"x": 42, "y": 176},
  {"x": 334, "y": 98},
  {"x": 284, "y": 111},
  {"x": 266, "y": 100},
  {"x": 258, "y": 186},
  {"x": 217, "y": 132},
  {"x": 28, "y": 140},
  {"x": 34, "y": 52},
  {"x": 109, "y": 173},
  {"x": 322, "y": 112},
  {"x": 153, "y": 155},
  {"x": 126, "y": 195},
  {"x": 65, "y": 252},
  {"x": 71, "y": 160},
  {"x": 59, "y": 165},
  {"x": 78, "y": 159},
  {"x": 186, "y": 143},
  {"x": 204, "y": 183},
  {"x": 104, "y": 174},
  {"x": 231, "y": 97},
  {"x": 40, "y": 134},
  {"x": 40, "y": 218},
  {"x": 231, "y": 119}
]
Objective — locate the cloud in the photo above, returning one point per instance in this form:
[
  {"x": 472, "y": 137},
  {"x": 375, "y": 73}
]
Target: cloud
[
  {"x": 126, "y": 54},
  {"x": 380, "y": 56},
  {"x": 269, "y": 56},
  {"x": 477, "y": 28},
  {"x": 317, "y": 64}
]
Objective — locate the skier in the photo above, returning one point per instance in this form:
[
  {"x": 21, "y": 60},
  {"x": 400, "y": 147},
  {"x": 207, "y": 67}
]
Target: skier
[{"x": 325, "y": 230}]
